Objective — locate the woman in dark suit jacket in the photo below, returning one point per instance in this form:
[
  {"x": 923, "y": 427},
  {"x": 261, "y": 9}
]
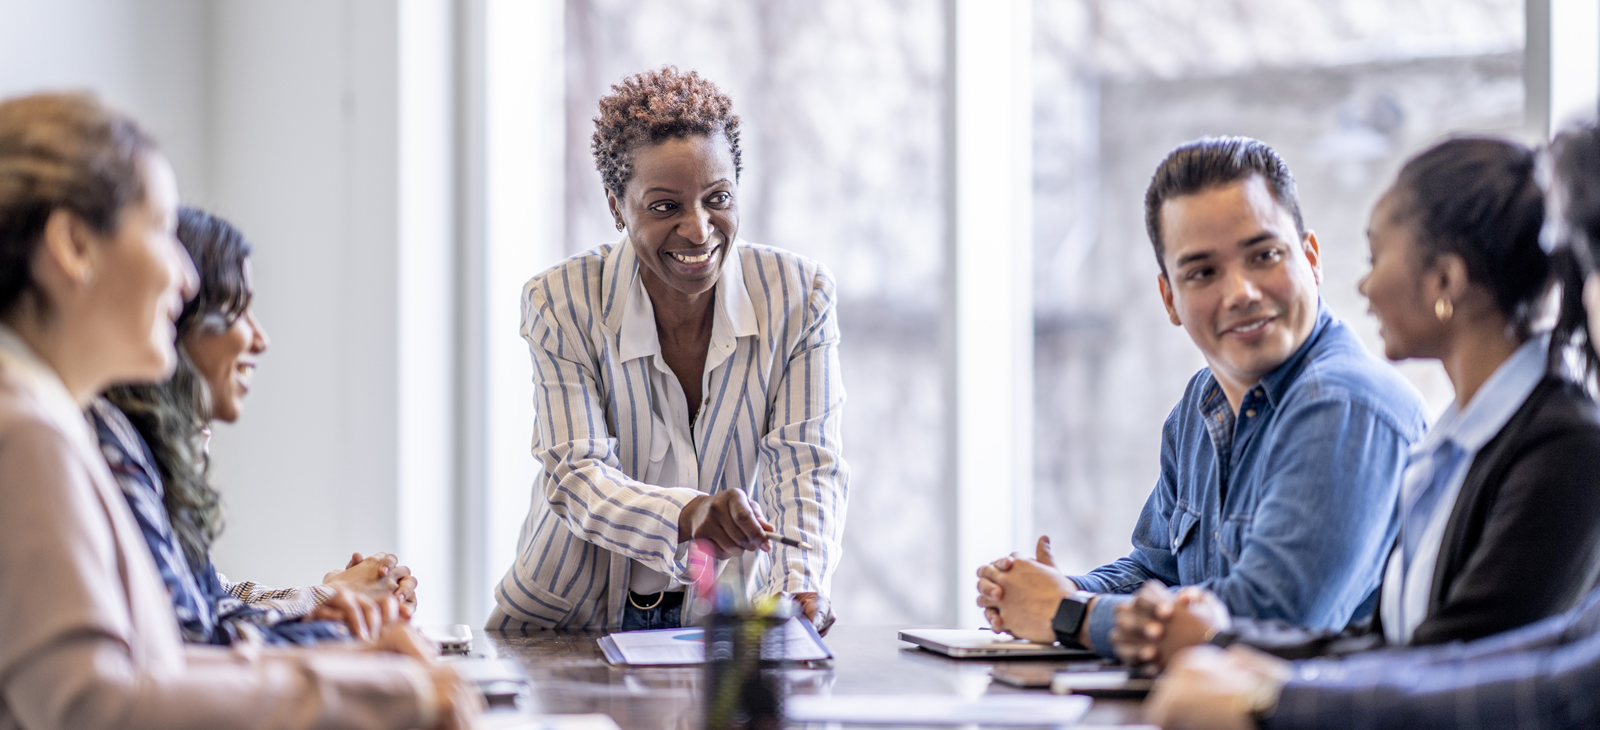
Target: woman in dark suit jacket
[{"x": 1498, "y": 525}]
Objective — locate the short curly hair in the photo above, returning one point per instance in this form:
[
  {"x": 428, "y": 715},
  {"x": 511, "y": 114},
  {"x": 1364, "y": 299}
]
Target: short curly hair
[{"x": 655, "y": 106}]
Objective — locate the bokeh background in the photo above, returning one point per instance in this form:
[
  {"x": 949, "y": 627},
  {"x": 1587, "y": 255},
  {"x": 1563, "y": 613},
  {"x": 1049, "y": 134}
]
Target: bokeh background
[{"x": 403, "y": 167}]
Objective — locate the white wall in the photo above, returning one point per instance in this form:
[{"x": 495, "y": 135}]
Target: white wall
[
  {"x": 1574, "y": 60},
  {"x": 147, "y": 58},
  {"x": 427, "y": 309},
  {"x": 300, "y": 133},
  {"x": 346, "y": 444},
  {"x": 511, "y": 180},
  {"x": 1563, "y": 63},
  {"x": 281, "y": 117},
  {"x": 991, "y": 209},
  {"x": 327, "y": 131}
]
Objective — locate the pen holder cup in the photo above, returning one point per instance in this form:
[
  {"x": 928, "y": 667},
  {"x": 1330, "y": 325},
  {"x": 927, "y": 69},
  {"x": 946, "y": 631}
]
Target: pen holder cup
[{"x": 742, "y": 684}]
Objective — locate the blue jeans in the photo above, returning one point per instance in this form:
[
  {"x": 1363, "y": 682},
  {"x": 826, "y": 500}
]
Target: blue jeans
[{"x": 668, "y": 614}]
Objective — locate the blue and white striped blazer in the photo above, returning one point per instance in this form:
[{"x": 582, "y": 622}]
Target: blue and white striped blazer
[{"x": 770, "y": 427}]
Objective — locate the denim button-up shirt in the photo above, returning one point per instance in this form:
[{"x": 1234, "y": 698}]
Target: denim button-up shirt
[{"x": 1285, "y": 509}]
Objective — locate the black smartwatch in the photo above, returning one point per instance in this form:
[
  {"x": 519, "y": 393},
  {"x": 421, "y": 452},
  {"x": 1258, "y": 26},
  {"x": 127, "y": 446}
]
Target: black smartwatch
[{"x": 1070, "y": 616}]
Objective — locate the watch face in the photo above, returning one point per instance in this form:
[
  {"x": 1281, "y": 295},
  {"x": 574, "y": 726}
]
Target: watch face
[{"x": 1069, "y": 618}]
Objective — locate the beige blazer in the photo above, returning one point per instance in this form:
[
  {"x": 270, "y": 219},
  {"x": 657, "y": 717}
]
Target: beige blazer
[{"x": 88, "y": 638}]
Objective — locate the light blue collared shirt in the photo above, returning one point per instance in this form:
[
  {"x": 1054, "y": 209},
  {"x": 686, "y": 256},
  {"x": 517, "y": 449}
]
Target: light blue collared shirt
[{"x": 1406, "y": 592}]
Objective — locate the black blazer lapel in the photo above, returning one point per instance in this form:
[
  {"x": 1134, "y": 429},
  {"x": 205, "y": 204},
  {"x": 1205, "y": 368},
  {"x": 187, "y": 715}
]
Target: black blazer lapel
[{"x": 1479, "y": 492}]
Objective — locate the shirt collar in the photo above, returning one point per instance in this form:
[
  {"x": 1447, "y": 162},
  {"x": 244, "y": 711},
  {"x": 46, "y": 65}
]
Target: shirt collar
[
  {"x": 1493, "y": 405},
  {"x": 1276, "y": 382},
  {"x": 618, "y": 269},
  {"x": 19, "y": 361},
  {"x": 735, "y": 315}
]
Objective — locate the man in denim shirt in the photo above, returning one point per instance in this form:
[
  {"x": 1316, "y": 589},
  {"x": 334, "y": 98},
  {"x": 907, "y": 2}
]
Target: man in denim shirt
[{"x": 1280, "y": 466}]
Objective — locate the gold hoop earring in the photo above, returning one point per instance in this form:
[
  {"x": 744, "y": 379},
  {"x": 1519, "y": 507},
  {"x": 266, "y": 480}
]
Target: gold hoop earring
[
  {"x": 620, "y": 225},
  {"x": 1443, "y": 309}
]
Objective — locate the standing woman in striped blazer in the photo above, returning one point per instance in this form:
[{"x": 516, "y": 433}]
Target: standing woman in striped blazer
[{"x": 686, "y": 386}]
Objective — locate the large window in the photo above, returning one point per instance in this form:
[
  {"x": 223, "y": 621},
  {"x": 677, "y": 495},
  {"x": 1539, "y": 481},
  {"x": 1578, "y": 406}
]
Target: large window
[
  {"x": 849, "y": 111},
  {"x": 842, "y": 107},
  {"x": 1344, "y": 90}
]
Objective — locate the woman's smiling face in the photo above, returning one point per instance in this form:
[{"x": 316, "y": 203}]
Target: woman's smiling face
[
  {"x": 681, "y": 211},
  {"x": 150, "y": 278},
  {"x": 224, "y": 353},
  {"x": 1396, "y": 290}
]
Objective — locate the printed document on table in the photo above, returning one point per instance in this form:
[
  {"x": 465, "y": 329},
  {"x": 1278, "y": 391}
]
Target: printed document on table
[
  {"x": 688, "y": 646},
  {"x": 1002, "y": 709}
]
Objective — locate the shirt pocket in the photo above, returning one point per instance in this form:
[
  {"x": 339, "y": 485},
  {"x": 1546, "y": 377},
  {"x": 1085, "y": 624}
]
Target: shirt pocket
[
  {"x": 1231, "y": 537},
  {"x": 1181, "y": 527},
  {"x": 539, "y": 601}
]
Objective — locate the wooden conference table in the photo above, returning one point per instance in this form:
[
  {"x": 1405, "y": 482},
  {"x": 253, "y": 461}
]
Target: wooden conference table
[{"x": 571, "y": 676}]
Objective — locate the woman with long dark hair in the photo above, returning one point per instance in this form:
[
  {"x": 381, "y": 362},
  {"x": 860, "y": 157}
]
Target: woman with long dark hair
[{"x": 164, "y": 468}]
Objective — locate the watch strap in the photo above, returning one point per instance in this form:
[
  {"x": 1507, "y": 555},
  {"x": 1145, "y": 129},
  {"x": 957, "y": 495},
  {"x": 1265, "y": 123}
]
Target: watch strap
[{"x": 1070, "y": 616}]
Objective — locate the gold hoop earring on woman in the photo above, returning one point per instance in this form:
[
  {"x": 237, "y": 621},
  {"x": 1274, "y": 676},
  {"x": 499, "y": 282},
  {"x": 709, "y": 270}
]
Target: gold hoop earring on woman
[{"x": 1443, "y": 309}]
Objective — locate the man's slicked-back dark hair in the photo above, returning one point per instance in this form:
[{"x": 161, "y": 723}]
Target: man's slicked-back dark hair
[{"x": 1211, "y": 162}]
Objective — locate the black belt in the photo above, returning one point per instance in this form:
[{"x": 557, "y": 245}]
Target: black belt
[{"x": 663, "y": 600}]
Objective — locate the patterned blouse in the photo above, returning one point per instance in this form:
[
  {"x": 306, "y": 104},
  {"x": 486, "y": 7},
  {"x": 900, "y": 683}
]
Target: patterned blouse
[{"x": 210, "y": 610}]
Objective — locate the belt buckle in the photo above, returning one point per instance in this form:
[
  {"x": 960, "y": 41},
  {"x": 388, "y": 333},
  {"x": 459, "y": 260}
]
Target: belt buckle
[{"x": 661, "y": 596}]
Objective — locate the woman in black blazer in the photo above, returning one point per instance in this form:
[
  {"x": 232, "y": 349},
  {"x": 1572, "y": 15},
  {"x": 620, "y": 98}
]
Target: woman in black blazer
[{"x": 1499, "y": 527}]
